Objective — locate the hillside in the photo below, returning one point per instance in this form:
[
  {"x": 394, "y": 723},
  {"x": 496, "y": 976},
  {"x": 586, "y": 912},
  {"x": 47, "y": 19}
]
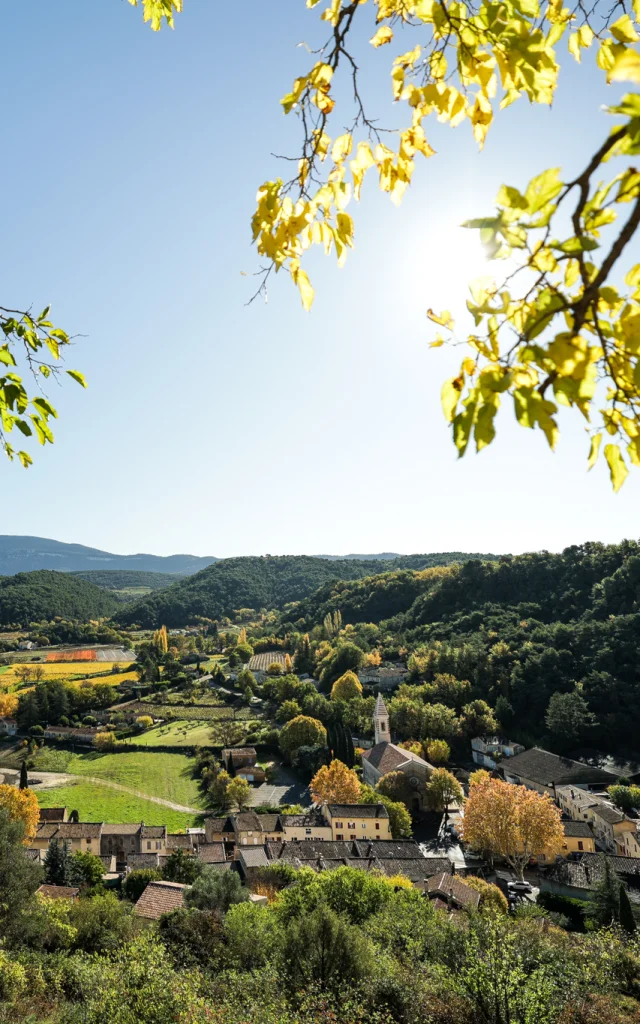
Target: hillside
[
  {"x": 520, "y": 630},
  {"x": 29, "y": 554},
  {"x": 265, "y": 582},
  {"x": 127, "y": 579},
  {"x": 44, "y": 595}
]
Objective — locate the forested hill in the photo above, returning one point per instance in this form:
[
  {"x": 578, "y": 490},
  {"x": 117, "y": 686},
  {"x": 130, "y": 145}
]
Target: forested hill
[
  {"x": 260, "y": 582},
  {"x": 39, "y": 596},
  {"x": 592, "y": 579},
  {"x": 521, "y": 630}
]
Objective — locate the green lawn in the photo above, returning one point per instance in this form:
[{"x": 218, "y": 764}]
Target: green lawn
[
  {"x": 177, "y": 734},
  {"x": 100, "y": 803},
  {"x": 164, "y": 775}
]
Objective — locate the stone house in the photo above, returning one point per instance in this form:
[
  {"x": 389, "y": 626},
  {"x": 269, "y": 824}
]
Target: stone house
[
  {"x": 54, "y": 814},
  {"x": 610, "y": 825},
  {"x": 488, "y": 751},
  {"x": 84, "y": 734},
  {"x": 358, "y": 821},
  {"x": 84, "y": 836},
  {"x": 238, "y": 757},
  {"x": 310, "y": 825},
  {"x": 578, "y": 839},
  {"x": 8, "y": 726},
  {"x": 252, "y": 829},
  {"x": 385, "y": 757}
]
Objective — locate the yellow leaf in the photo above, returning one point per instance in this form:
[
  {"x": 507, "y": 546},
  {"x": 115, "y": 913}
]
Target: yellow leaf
[
  {"x": 438, "y": 342},
  {"x": 304, "y": 287},
  {"x": 382, "y": 36},
  {"x": 574, "y": 46},
  {"x": 594, "y": 450},
  {"x": 626, "y": 67},
  {"x": 617, "y": 466},
  {"x": 341, "y": 147},
  {"x": 449, "y": 397},
  {"x": 444, "y": 319},
  {"x": 623, "y": 31}
]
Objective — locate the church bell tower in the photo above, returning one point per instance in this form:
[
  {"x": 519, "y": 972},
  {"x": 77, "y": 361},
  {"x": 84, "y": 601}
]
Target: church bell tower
[{"x": 381, "y": 721}]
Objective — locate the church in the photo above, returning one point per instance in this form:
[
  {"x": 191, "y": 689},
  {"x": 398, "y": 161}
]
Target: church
[{"x": 385, "y": 757}]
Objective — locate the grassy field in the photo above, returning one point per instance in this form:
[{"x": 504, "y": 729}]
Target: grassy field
[
  {"x": 164, "y": 775},
  {"x": 177, "y": 734},
  {"x": 100, "y": 803}
]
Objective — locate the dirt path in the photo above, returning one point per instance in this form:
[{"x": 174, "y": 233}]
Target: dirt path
[{"x": 49, "y": 780}]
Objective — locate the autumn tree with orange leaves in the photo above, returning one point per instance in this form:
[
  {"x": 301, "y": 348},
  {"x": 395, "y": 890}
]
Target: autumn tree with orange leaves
[
  {"x": 335, "y": 784},
  {"x": 510, "y": 821},
  {"x": 21, "y": 805},
  {"x": 8, "y": 704}
]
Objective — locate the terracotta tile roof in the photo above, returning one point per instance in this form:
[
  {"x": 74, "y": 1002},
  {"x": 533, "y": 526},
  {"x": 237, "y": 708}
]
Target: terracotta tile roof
[
  {"x": 548, "y": 769},
  {"x": 179, "y": 841},
  {"x": 249, "y": 821},
  {"x": 403, "y": 849},
  {"x": 311, "y": 819},
  {"x": 253, "y": 857},
  {"x": 305, "y": 850},
  {"x": 386, "y": 757},
  {"x": 357, "y": 810},
  {"x": 70, "y": 830},
  {"x": 159, "y": 898},
  {"x": 153, "y": 832},
  {"x": 577, "y": 829},
  {"x": 445, "y": 886},
  {"x": 58, "y": 892},
  {"x": 124, "y": 829},
  {"x": 216, "y": 826},
  {"x": 211, "y": 853},
  {"x": 609, "y": 814},
  {"x": 48, "y": 814}
]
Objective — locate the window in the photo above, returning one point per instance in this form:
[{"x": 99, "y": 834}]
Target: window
[
  {"x": 338, "y": 824},
  {"x": 340, "y": 836},
  {"x": 377, "y": 826},
  {"x": 88, "y": 841},
  {"x": 244, "y": 842},
  {"x": 307, "y": 831},
  {"x": 148, "y": 844},
  {"x": 351, "y": 824},
  {"x": 353, "y": 836},
  {"x": 580, "y": 845},
  {"x": 158, "y": 846},
  {"x": 364, "y": 824},
  {"x": 383, "y": 726}
]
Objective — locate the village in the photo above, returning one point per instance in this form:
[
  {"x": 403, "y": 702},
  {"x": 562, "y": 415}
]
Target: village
[{"x": 325, "y": 836}]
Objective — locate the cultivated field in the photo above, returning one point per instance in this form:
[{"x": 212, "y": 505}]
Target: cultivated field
[
  {"x": 96, "y": 802},
  {"x": 101, "y": 671},
  {"x": 178, "y": 734},
  {"x": 261, "y": 662}
]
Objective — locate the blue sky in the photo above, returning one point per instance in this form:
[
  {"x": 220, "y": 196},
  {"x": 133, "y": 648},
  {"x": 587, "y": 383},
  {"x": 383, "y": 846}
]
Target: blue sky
[{"x": 131, "y": 164}]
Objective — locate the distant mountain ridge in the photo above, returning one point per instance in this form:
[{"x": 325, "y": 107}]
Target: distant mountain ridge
[{"x": 30, "y": 554}]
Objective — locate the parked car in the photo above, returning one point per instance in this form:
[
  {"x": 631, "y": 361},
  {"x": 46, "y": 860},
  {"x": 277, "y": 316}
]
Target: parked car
[{"x": 519, "y": 887}]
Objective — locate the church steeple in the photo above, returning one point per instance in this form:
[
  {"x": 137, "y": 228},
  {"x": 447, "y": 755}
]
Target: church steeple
[{"x": 381, "y": 721}]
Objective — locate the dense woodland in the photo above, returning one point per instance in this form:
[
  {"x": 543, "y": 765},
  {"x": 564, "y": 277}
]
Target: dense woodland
[
  {"x": 44, "y": 595},
  {"x": 257, "y": 583}
]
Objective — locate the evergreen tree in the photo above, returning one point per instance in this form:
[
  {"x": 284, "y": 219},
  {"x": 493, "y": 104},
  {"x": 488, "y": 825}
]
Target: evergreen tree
[
  {"x": 24, "y": 778},
  {"x": 56, "y": 864},
  {"x": 626, "y": 918},
  {"x": 304, "y": 661}
]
